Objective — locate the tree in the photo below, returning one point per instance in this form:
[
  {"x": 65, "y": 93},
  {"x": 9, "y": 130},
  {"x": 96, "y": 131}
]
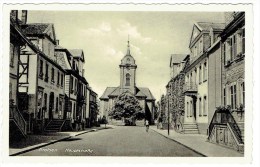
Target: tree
[{"x": 127, "y": 106}]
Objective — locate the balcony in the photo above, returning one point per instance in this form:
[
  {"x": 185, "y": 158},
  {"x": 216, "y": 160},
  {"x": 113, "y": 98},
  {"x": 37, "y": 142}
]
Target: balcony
[{"x": 190, "y": 89}]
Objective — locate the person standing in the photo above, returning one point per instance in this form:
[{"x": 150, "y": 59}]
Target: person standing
[{"x": 147, "y": 125}]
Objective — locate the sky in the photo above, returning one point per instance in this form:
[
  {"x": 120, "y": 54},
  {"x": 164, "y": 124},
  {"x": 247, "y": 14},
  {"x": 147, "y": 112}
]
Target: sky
[{"x": 103, "y": 36}]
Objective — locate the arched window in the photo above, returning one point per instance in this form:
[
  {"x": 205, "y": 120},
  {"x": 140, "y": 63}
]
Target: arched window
[{"x": 127, "y": 80}]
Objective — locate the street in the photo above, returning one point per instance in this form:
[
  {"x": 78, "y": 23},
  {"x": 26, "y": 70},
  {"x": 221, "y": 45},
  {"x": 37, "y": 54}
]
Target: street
[{"x": 116, "y": 141}]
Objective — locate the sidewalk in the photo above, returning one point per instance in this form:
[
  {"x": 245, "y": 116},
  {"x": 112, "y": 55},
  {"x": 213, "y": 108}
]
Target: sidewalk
[
  {"x": 37, "y": 141},
  {"x": 198, "y": 143}
]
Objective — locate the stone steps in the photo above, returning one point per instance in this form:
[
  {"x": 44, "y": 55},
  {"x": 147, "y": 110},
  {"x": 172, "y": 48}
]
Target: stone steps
[
  {"x": 190, "y": 128},
  {"x": 54, "y": 126}
]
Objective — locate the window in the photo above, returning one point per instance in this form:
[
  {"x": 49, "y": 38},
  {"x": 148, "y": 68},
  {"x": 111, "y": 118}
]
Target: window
[
  {"x": 127, "y": 79},
  {"x": 205, "y": 72},
  {"x": 71, "y": 84},
  {"x": 233, "y": 96},
  {"x": 200, "y": 107},
  {"x": 188, "y": 109},
  {"x": 10, "y": 90},
  {"x": 225, "y": 98},
  {"x": 61, "y": 80},
  {"x": 12, "y": 53},
  {"x": 228, "y": 51},
  {"x": 242, "y": 93},
  {"x": 58, "y": 78},
  {"x": 52, "y": 75},
  {"x": 200, "y": 75},
  {"x": 234, "y": 47},
  {"x": 243, "y": 41},
  {"x": 205, "y": 107},
  {"x": 195, "y": 76},
  {"x": 76, "y": 85},
  {"x": 47, "y": 73},
  {"x": 41, "y": 70}
]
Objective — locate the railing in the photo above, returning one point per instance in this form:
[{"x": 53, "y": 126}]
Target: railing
[
  {"x": 224, "y": 117},
  {"x": 18, "y": 118},
  {"x": 190, "y": 86}
]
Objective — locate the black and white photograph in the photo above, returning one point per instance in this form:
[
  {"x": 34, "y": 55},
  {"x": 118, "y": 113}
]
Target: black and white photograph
[{"x": 129, "y": 83}]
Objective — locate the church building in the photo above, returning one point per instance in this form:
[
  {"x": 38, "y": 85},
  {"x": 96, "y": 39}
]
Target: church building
[{"x": 128, "y": 83}]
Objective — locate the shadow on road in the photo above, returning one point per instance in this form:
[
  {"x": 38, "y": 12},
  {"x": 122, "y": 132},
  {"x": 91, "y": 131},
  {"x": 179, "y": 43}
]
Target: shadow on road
[{"x": 72, "y": 139}]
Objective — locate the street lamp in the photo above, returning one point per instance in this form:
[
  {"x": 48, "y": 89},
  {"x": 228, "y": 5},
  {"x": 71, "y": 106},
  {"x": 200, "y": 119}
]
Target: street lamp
[{"x": 168, "y": 116}]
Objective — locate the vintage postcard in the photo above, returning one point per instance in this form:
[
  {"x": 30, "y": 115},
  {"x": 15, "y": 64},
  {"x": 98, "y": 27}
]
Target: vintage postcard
[{"x": 129, "y": 80}]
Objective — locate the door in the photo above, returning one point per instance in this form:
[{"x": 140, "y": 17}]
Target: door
[{"x": 51, "y": 105}]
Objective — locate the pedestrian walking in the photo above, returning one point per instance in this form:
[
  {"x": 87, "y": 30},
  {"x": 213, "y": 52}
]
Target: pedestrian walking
[{"x": 147, "y": 125}]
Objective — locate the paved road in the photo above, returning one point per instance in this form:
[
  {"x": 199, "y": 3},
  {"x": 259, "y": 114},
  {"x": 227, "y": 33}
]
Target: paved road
[{"x": 117, "y": 141}]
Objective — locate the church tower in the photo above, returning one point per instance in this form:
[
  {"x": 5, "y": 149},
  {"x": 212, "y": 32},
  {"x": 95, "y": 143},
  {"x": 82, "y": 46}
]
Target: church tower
[{"x": 127, "y": 72}]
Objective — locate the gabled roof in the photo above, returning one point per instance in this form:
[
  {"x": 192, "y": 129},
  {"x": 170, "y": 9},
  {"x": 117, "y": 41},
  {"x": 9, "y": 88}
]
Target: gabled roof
[
  {"x": 206, "y": 26},
  {"x": 115, "y": 92},
  {"x": 47, "y": 29},
  {"x": 107, "y": 92},
  {"x": 147, "y": 93},
  {"x": 63, "y": 60},
  {"x": 77, "y": 53},
  {"x": 177, "y": 58}
]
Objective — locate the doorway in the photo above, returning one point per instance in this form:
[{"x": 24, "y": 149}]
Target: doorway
[{"x": 51, "y": 105}]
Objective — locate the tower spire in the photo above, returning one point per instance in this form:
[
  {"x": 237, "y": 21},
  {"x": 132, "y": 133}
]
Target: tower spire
[{"x": 128, "y": 47}]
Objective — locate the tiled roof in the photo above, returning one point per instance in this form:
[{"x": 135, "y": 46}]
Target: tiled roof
[
  {"x": 115, "y": 91},
  {"x": 177, "y": 58},
  {"x": 35, "y": 28},
  {"x": 207, "y": 26},
  {"x": 62, "y": 60},
  {"x": 76, "y": 52},
  {"x": 107, "y": 92},
  {"x": 147, "y": 92}
]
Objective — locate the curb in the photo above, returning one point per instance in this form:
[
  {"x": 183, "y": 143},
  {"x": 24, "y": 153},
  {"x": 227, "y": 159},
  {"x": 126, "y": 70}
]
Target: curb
[
  {"x": 53, "y": 142},
  {"x": 180, "y": 143}
]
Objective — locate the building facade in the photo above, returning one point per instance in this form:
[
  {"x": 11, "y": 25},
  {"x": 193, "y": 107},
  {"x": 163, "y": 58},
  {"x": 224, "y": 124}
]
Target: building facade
[
  {"x": 128, "y": 83},
  {"x": 175, "y": 96},
  {"x": 200, "y": 73},
  {"x": 41, "y": 85}
]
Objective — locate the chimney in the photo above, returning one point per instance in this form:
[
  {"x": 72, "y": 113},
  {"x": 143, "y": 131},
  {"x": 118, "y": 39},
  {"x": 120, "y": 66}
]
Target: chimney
[{"x": 24, "y": 16}]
